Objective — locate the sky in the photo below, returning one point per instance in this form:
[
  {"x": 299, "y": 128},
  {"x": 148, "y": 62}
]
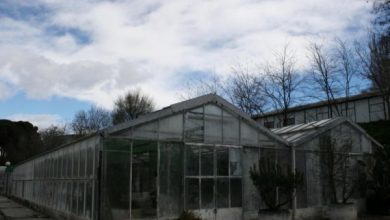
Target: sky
[{"x": 60, "y": 56}]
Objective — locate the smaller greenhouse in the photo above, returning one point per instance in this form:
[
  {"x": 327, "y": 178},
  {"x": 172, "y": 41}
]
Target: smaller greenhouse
[{"x": 312, "y": 142}]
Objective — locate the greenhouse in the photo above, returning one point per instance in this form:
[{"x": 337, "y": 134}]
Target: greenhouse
[
  {"x": 193, "y": 155},
  {"x": 310, "y": 142}
]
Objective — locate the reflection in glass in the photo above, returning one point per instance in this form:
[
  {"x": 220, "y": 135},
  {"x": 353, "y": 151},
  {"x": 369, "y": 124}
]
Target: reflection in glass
[
  {"x": 192, "y": 161},
  {"x": 144, "y": 173},
  {"x": 192, "y": 193},
  {"x": 171, "y": 176},
  {"x": 236, "y": 192},
  {"x": 235, "y": 162},
  {"x": 207, "y": 191},
  {"x": 222, "y": 162},
  {"x": 222, "y": 193},
  {"x": 207, "y": 161}
]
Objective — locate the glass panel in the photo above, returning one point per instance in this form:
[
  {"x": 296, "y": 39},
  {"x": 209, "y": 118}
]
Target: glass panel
[
  {"x": 68, "y": 196},
  {"x": 74, "y": 197},
  {"x": 171, "y": 176},
  {"x": 117, "y": 184},
  {"x": 80, "y": 198},
  {"x": 251, "y": 201},
  {"x": 207, "y": 191},
  {"x": 235, "y": 162},
  {"x": 171, "y": 128},
  {"x": 194, "y": 128},
  {"x": 222, "y": 162},
  {"x": 222, "y": 193},
  {"x": 63, "y": 195},
  {"x": 213, "y": 124},
  {"x": 88, "y": 201},
  {"x": 308, "y": 165},
  {"x": 82, "y": 162},
  {"x": 236, "y": 192},
  {"x": 70, "y": 162},
  {"x": 192, "y": 193},
  {"x": 76, "y": 157},
  {"x": 144, "y": 173},
  {"x": 230, "y": 129},
  {"x": 90, "y": 161},
  {"x": 192, "y": 160},
  {"x": 248, "y": 135},
  {"x": 147, "y": 131},
  {"x": 207, "y": 161},
  {"x": 116, "y": 144},
  {"x": 55, "y": 165}
]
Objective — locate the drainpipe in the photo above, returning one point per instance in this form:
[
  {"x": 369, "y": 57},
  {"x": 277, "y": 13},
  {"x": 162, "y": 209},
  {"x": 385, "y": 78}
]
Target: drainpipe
[{"x": 293, "y": 167}]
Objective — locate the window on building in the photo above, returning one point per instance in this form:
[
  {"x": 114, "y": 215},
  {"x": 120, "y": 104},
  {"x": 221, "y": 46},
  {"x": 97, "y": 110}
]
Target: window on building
[
  {"x": 376, "y": 111},
  {"x": 291, "y": 121},
  {"x": 269, "y": 124}
]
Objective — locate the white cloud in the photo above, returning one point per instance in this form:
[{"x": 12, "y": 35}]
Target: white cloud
[
  {"x": 42, "y": 121},
  {"x": 148, "y": 43}
]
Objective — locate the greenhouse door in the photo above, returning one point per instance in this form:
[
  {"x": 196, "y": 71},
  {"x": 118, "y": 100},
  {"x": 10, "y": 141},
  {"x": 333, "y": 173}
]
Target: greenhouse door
[
  {"x": 129, "y": 183},
  {"x": 213, "y": 181},
  {"x": 143, "y": 180}
]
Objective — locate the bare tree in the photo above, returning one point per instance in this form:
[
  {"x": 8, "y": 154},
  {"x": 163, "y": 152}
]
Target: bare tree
[
  {"x": 53, "y": 136},
  {"x": 86, "y": 122},
  {"x": 198, "y": 86},
  {"x": 347, "y": 67},
  {"x": 324, "y": 76},
  {"x": 282, "y": 82},
  {"x": 79, "y": 123},
  {"x": 131, "y": 106},
  {"x": 375, "y": 62},
  {"x": 338, "y": 167},
  {"x": 244, "y": 90}
]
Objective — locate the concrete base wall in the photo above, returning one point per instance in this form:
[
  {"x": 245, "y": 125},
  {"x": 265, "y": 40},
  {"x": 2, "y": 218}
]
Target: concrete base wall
[
  {"x": 57, "y": 215},
  {"x": 220, "y": 214},
  {"x": 341, "y": 212},
  {"x": 308, "y": 213}
]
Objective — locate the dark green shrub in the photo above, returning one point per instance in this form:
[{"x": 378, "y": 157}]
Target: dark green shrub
[
  {"x": 188, "y": 215},
  {"x": 270, "y": 178},
  {"x": 378, "y": 183}
]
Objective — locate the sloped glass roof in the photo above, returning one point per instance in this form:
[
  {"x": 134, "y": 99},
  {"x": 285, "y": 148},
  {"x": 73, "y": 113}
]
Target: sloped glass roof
[{"x": 206, "y": 119}]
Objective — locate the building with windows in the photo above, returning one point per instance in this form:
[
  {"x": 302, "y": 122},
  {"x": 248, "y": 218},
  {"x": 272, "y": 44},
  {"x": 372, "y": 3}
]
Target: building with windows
[
  {"x": 193, "y": 155},
  {"x": 360, "y": 108}
]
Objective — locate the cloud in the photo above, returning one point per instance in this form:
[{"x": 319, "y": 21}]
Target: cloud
[
  {"x": 95, "y": 50},
  {"x": 5, "y": 91},
  {"x": 42, "y": 121}
]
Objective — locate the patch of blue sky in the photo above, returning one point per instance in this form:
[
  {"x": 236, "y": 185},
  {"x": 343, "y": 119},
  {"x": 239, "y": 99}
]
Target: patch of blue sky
[
  {"x": 187, "y": 76},
  {"x": 23, "y": 10},
  {"x": 81, "y": 37},
  {"x": 19, "y": 104}
]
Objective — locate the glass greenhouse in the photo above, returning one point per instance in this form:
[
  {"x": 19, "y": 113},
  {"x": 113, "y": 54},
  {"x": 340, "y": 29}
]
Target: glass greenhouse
[{"x": 194, "y": 155}]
